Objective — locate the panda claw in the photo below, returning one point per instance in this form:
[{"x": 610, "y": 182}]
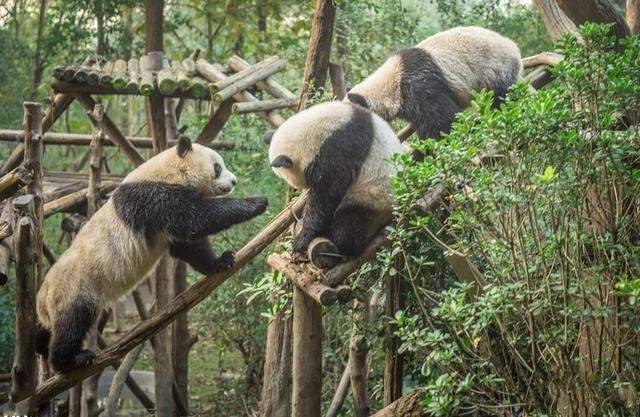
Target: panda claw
[
  {"x": 84, "y": 358},
  {"x": 226, "y": 261}
]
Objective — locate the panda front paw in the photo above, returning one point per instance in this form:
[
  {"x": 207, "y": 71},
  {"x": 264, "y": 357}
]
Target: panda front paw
[
  {"x": 258, "y": 204},
  {"x": 226, "y": 261}
]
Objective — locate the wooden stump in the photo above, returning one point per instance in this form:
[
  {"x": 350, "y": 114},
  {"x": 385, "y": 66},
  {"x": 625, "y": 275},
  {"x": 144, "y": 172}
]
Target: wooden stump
[{"x": 323, "y": 253}]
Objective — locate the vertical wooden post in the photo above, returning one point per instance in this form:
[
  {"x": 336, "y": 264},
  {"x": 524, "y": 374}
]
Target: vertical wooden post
[
  {"x": 33, "y": 162},
  {"x": 23, "y": 373},
  {"x": 89, "y": 403},
  {"x": 165, "y": 406},
  {"x": 275, "y": 399},
  {"x": 307, "y": 355},
  {"x": 393, "y": 360},
  {"x": 181, "y": 340}
]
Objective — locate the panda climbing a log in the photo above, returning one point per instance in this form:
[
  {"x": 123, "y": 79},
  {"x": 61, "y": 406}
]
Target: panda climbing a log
[
  {"x": 428, "y": 84},
  {"x": 340, "y": 152},
  {"x": 168, "y": 204}
]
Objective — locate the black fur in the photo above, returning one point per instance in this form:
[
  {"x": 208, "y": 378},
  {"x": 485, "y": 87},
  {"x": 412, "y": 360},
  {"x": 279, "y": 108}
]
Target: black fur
[
  {"x": 358, "y": 99},
  {"x": 333, "y": 170},
  {"x": 282, "y": 161},
  {"x": 353, "y": 227},
  {"x": 266, "y": 138},
  {"x": 183, "y": 213},
  {"x": 501, "y": 85},
  {"x": 43, "y": 336},
  {"x": 427, "y": 99},
  {"x": 184, "y": 146},
  {"x": 200, "y": 256},
  {"x": 69, "y": 330}
]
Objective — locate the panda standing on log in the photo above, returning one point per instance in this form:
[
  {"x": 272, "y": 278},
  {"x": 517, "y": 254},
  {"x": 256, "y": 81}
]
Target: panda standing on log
[
  {"x": 340, "y": 152},
  {"x": 431, "y": 82},
  {"x": 168, "y": 204}
]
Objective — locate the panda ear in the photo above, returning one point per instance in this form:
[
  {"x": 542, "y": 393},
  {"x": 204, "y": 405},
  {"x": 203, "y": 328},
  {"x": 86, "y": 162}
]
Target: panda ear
[
  {"x": 184, "y": 146},
  {"x": 357, "y": 99},
  {"x": 266, "y": 138},
  {"x": 282, "y": 161}
]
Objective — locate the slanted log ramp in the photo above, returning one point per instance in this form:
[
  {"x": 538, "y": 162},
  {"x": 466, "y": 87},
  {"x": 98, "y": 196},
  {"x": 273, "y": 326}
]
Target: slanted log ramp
[{"x": 29, "y": 194}]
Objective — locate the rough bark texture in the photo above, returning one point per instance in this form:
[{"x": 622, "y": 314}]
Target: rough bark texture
[
  {"x": 633, "y": 16},
  {"x": 215, "y": 124},
  {"x": 60, "y": 103},
  {"x": 12, "y": 182},
  {"x": 358, "y": 350},
  {"x": 407, "y": 406},
  {"x": 32, "y": 126},
  {"x": 307, "y": 355},
  {"x": 555, "y": 20},
  {"x": 317, "y": 63},
  {"x": 596, "y": 11},
  {"x": 153, "y": 40},
  {"x": 24, "y": 371},
  {"x": 181, "y": 339},
  {"x": 276, "y": 386},
  {"x": 393, "y": 360}
]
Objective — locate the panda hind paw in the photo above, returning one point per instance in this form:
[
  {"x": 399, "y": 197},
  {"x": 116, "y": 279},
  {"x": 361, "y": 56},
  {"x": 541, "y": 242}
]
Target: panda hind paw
[
  {"x": 226, "y": 261},
  {"x": 84, "y": 358}
]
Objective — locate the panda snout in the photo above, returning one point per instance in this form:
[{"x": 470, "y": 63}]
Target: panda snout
[{"x": 233, "y": 182}]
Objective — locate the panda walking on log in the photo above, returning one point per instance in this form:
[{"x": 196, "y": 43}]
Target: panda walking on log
[
  {"x": 340, "y": 152},
  {"x": 169, "y": 203},
  {"x": 431, "y": 82}
]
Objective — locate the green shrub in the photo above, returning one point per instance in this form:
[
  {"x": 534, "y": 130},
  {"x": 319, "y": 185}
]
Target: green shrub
[{"x": 551, "y": 221}]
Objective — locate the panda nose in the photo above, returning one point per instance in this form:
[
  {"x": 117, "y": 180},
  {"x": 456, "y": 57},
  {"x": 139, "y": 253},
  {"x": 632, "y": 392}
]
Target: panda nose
[{"x": 233, "y": 182}]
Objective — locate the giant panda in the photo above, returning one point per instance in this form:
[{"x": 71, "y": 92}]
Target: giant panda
[
  {"x": 169, "y": 204},
  {"x": 429, "y": 83},
  {"x": 340, "y": 152}
]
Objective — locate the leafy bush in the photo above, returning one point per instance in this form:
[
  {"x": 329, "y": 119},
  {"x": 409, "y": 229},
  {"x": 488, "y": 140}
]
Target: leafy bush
[{"x": 551, "y": 221}]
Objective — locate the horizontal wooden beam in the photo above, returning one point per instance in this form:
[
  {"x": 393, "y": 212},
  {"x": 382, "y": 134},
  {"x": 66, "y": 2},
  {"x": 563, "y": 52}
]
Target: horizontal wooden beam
[
  {"x": 64, "y": 87},
  {"x": 81, "y": 139},
  {"x": 264, "y": 105}
]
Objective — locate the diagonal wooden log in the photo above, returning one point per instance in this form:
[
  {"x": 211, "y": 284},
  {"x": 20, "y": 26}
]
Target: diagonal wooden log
[
  {"x": 116, "y": 136},
  {"x": 12, "y": 182},
  {"x": 183, "y": 302},
  {"x": 306, "y": 277},
  {"x": 215, "y": 124},
  {"x": 596, "y": 11},
  {"x": 59, "y": 104},
  {"x": 410, "y": 405},
  {"x": 268, "y": 86},
  {"x": 214, "y": 73}
]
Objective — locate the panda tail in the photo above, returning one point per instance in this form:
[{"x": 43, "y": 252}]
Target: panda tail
[{"x": 43, "y": 336}]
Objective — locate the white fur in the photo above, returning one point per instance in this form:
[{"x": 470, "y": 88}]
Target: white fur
[
  {"x": 301, "y": 136},
  {"x": 107, "y": 259},
  {"x": 468, "y": 57}
]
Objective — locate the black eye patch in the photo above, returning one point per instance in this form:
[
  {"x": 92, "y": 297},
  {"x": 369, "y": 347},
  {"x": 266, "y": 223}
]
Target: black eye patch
[{"x": 217, "y": 168}]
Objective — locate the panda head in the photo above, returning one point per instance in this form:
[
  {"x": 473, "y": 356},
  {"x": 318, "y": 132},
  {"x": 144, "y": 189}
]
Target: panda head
[{"x": 189, "y": 164}]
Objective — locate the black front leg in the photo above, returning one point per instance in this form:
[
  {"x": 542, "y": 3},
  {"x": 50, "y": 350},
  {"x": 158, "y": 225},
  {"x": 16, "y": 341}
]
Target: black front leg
[
  {"x": 317, "y": 217},
  {"x": 200, "y": 256},
  {"x": 212, "y": 215}
]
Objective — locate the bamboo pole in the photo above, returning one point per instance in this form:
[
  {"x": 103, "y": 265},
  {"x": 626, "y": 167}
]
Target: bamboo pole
[
  {"x": 265, "y": 105},
  {"x": 133, "y": 68},
  {"x": 81, "y": 139},
  {"x": 147, "y": 80},
  {"x": 183, "y": 302},
  {"x": 120, "y": 75},
  {"x": 167, "y": 83}
]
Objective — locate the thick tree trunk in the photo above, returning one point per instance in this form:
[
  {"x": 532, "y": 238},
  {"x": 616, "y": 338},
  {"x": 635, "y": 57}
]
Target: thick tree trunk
[
  {"x": 38, "y": 62},
  {"x": 153, "y": 11},
  {"x": 633, "y": 16},
  {"x": 393, "y": 360},
  {"x": 557, "y": 23},
  {"x": 319, "y": 52},
  {"x": 307, "y": 355},
  {"x": 407, "y": 406},
  {"x": 276, "y": 385},
  {"x": 596, "y": 11}
]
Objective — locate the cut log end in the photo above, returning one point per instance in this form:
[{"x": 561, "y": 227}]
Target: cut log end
[{"x": 323, "y": 253}]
